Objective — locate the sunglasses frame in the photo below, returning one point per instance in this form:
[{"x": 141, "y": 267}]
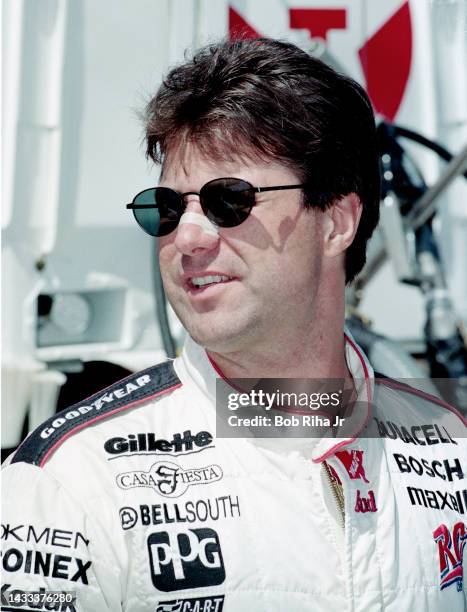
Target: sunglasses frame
[{"x": 181, "y": 196}]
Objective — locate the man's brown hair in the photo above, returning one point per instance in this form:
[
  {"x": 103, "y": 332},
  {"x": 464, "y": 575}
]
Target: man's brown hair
[{"x": 269, "y": 99}]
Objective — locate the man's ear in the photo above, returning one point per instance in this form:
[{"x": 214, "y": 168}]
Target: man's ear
[{"x": 341, "y": 221}]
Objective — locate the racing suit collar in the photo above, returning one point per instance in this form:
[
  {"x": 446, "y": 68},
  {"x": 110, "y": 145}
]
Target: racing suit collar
[{"x": 195, "y": 365}]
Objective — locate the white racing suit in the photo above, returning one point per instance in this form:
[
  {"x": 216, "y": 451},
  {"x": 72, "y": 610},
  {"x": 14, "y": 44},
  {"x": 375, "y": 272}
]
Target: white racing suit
[{"x": 129, "y": 501}]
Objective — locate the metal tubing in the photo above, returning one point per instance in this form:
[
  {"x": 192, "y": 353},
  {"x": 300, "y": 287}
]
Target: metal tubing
[{"x": 426, "y": 205}]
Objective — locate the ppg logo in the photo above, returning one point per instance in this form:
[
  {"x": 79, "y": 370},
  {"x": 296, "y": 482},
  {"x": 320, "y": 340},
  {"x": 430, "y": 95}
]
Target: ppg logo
[{"x": 185, "y": 560}]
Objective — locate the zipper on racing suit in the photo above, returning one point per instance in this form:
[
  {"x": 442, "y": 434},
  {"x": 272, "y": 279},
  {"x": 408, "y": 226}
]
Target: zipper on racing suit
[{"x": 337, "y": 492}]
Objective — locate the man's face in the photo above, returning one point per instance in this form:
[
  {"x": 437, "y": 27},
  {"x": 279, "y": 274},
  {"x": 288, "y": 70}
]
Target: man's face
[{"x": 272, "y": 260}]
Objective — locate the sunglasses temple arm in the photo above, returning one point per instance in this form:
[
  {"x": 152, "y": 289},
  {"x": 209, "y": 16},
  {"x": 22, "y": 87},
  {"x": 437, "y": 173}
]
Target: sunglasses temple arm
[
  {"x": 140, "y": 206},
  {"x": 278, "y": 188}
]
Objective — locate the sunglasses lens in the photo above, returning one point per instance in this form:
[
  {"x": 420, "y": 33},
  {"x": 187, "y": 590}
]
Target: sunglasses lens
[
  {"x": 227, "y": 202},
  {"x": 164, "y": 213}
]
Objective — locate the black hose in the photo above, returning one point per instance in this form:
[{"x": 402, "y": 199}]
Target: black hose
[
  {"x": 161, "y": 309},
  {"x": 430, "y": 144}
]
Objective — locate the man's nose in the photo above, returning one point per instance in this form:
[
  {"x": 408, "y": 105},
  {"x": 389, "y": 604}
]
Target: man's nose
[{"x": 195, "y": 233}]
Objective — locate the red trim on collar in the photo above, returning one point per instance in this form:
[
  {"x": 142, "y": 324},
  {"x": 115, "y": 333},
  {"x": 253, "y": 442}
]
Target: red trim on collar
[
  {"x": 365, "y": 369},
  {"x": 339, "y": 445},
  {"x": 431, "y": 398},
  {"x": 216, "y": 367},
  {"x": 221, "y": 374}
]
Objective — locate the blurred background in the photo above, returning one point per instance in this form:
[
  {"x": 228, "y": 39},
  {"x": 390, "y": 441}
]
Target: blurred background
[{"x": 82, "y": 301}]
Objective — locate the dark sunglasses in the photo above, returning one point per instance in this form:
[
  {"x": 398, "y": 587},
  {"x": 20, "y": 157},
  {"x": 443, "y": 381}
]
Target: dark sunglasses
[{"x": 226, "y": 202}]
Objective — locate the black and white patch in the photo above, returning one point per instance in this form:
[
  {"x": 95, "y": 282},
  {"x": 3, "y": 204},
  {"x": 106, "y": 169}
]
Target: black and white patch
[{"x": 126, "y": 394}]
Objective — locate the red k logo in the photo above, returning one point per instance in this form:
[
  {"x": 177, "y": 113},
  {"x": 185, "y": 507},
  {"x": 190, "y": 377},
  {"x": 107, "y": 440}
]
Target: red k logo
[
  {"x": 353, "y": 463},
  {"x": 451, "y": 551}
]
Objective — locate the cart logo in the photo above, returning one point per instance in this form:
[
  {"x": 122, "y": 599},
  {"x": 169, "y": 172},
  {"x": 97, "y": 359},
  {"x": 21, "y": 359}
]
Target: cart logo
[
  {"x": 194, "y": 604},
  {"x": 451, "y": 551}
]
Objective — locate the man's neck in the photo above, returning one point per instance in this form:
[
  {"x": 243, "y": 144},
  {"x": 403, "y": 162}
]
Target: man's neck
[
  {"x": 312, "y": 355},
  {"x": 317, "y": 360}
]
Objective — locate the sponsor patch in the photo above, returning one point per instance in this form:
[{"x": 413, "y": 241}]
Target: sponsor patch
[
  {"x": 128, "y": 517},
  {"x": 200, "y": 511},
  {"x": 438, "y": 500},
  {"x": 49, "y": 536},
  {"x": 185, "y": 559},
  {"x": 193, "y": 604},
  {"x": 47, "y": 564},
  {"x": 446, "y": 469},
  {"x": 127, "y": 394},
  {"x": 106, "y": 398},
  {"x": 451, "y": 554},
  {"x": 422, "y": 435},
  {"x": 353, "y": 462},
  {"x": 169, "y": 479},
  {"x": 148, "y": 444},
  {"x": 365, "y": 504}
]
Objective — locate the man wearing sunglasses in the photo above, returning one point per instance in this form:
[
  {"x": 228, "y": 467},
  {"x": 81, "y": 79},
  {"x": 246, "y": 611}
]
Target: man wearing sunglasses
[{"x": 269, "y": 191}]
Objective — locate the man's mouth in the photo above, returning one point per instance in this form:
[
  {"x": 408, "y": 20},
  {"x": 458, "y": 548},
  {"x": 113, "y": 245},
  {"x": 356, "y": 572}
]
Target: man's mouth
[{"x": 199, "y": 282}]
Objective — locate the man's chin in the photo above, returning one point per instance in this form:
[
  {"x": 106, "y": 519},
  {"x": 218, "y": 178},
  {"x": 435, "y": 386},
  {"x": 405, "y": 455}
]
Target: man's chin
[
  {"x": 223, "y": 341},
  {"x": 216, "y": 343},
  {"x": 221, "y": 330}
]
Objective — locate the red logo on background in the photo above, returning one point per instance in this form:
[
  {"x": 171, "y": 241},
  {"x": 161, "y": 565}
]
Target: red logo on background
[
  {"x": 451, "y": 552},
  {"x": 353, "y": 463},
  {"x": 318, "y": 21},
  {"x": 386, "y": 65}
]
